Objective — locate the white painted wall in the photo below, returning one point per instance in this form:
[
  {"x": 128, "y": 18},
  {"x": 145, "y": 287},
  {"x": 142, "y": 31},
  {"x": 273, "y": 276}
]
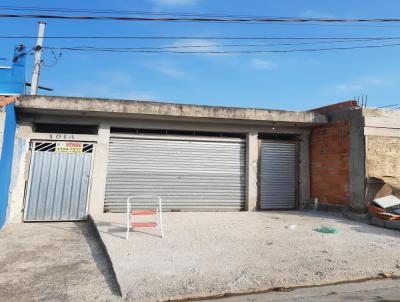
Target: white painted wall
[{"x": 2, "y": 120}]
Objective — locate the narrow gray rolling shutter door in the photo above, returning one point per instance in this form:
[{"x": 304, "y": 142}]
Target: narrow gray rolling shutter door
[
  {"x": 189, "y": 174},
  {"x": 278, "y": 175}
]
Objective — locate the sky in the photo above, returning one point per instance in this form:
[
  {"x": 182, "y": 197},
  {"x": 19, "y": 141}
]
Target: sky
[{"x": 290, "y": 81}]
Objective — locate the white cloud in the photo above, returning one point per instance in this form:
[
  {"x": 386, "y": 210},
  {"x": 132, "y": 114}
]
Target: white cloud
[
  {"x": 363, "y": 83},
  {"x": 91, "y": 89},
  {"x": 369, "y": 80},
  {"x": 114, "y": 84},
  {"x": 195, "y": 45},
  {"x": 138, "y": 95},
  {"x": 120, "y": 77},
  {"x": 167, "y": 69},
  {"x": 349, "y": 87},
  {"x": 201, "y": 47},
  {"x": 263, "y": 64},
  {"x": 174, "y": 3}
]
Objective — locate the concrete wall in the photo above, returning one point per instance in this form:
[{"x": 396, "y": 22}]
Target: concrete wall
[
  {"x": 252, "y": 155},
  {"x": 383, "y": 156},
  {"x": 382, "y": 148},
  {"x": 154, "y": 110},
  {"x": 25, "y": 135}
]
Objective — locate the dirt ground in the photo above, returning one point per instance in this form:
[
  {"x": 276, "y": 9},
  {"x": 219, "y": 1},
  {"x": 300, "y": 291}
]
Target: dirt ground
[
  {"x": 54, "y": 262},
  {"x": 207, "y": 254},
  {"x": 203, "y": 254}
]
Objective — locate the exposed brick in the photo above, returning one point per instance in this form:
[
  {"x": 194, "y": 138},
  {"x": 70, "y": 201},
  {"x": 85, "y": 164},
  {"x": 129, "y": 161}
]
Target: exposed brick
[
  {"x": 329, "y": 160},
  {"x": 337, "y": 106},
  {"x": 5, "y": 100}
]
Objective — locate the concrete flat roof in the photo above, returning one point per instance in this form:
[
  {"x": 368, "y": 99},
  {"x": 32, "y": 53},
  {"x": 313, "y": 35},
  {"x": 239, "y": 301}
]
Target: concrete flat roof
[{"x": 151, "y": 109}]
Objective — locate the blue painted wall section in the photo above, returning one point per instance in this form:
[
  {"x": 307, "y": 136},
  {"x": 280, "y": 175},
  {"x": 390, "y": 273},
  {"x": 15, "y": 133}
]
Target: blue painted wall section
[
  {"x": 6, "y": 159},
  {"x": 12, "y": 82},
  {"x": 12, "y": 79}
]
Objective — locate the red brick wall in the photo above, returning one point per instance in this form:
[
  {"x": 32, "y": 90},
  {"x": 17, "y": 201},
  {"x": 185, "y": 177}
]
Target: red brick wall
[
  {"x": 336, "y": 107},
  {"x": 329, "y": 160}
]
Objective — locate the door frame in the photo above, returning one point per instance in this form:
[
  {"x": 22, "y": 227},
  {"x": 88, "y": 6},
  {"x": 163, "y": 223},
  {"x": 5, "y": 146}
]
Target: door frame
[
  {"x": 28, "y": 183},
  {"x": 297, "y": 170}
]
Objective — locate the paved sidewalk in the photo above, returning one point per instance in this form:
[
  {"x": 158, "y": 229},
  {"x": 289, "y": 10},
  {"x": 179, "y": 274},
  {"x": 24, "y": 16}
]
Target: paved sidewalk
[{"x": 54, "y": 262}]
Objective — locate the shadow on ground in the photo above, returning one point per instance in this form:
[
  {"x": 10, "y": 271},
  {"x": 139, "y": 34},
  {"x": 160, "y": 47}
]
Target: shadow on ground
[{"x": 60, "y": 261}]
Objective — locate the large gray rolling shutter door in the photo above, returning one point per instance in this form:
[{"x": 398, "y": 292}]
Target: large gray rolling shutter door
[
  {"x": 278, "y": 175},
  {"x": 189, "y": 173}
]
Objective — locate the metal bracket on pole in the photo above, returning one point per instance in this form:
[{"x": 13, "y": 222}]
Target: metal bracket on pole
[{"x": 38, "y": 59}]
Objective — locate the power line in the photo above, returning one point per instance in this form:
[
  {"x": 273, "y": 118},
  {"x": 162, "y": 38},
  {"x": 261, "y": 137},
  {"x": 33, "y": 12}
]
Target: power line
[
  {"x": 221, "y": 45},
  {"x": 388, "y": 106},
  {"x": 122, "y": 50},
  {"x": 124, "y": 12},
  {"x": 204, "y": 19},
  {"x": 199, "y": 38}
]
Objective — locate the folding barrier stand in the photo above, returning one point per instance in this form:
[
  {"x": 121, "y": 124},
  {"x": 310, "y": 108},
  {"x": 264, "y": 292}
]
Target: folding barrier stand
[{"x": 131, "y": 213}]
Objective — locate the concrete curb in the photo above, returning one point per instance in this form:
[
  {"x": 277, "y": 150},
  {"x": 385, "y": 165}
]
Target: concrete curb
[
  {"x": 93, "y": 225},
  {"x": 281, "y": 289}
]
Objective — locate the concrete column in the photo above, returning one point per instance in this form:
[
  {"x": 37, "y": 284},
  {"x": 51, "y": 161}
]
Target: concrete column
[
  {"x": 99, "y": 173},
  {"x": 20, "y": 171},
  {"x": 304, "y": 170},
  {"x": 252, "y": 151},
  {"x": 357, "y": 162}
]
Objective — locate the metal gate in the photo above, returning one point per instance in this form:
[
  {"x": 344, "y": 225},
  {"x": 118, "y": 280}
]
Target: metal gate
[
  {"x": 278, "y": 175},
  {"x": 189, "y": 173},
  {"x": 58, "y": 181}
]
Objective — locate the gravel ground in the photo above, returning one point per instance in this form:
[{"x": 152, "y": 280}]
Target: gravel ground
[
  {"x": 207, "y": 254},
  {"x": 54, "y": 262}
]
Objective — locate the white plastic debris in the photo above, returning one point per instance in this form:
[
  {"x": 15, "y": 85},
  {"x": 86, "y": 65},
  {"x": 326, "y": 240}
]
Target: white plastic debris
[{"x": 387, "y": 201}]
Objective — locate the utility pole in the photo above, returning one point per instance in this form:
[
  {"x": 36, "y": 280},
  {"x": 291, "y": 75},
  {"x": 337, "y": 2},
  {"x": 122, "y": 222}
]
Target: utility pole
[{"x": 38, "y": 58}]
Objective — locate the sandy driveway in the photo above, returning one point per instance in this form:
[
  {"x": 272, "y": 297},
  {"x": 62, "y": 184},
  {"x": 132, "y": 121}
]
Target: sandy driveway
[{"x": 213, "y": 253}]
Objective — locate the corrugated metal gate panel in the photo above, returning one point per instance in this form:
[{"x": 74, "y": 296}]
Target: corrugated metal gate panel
[
  {"x": 188, "y": 174},
  {"x": 278, "y": 175},
  {"x": 58, "y": 186}
]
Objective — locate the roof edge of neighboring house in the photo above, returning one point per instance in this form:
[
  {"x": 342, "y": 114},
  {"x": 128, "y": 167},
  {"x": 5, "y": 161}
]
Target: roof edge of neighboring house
[
  {"x": 129, "y": 108},
  {"x": 345, "y": 105},
  {"x": 6, "y": 99}
]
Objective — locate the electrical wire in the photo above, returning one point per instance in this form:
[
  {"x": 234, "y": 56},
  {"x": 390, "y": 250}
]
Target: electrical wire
[
  {"x": 125, "y": 12},
  {"x": 205, "y": 19},
  {"x": 122, "y": 50},
  {"x": 228, "y": 45},
  {"x": 198, "y": 38},
  {"x": 56, "y": 59}
]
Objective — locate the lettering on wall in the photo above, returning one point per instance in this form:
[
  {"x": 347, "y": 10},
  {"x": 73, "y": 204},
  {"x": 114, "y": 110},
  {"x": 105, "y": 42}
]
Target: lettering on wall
[{"x": 61, "y": 136}]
